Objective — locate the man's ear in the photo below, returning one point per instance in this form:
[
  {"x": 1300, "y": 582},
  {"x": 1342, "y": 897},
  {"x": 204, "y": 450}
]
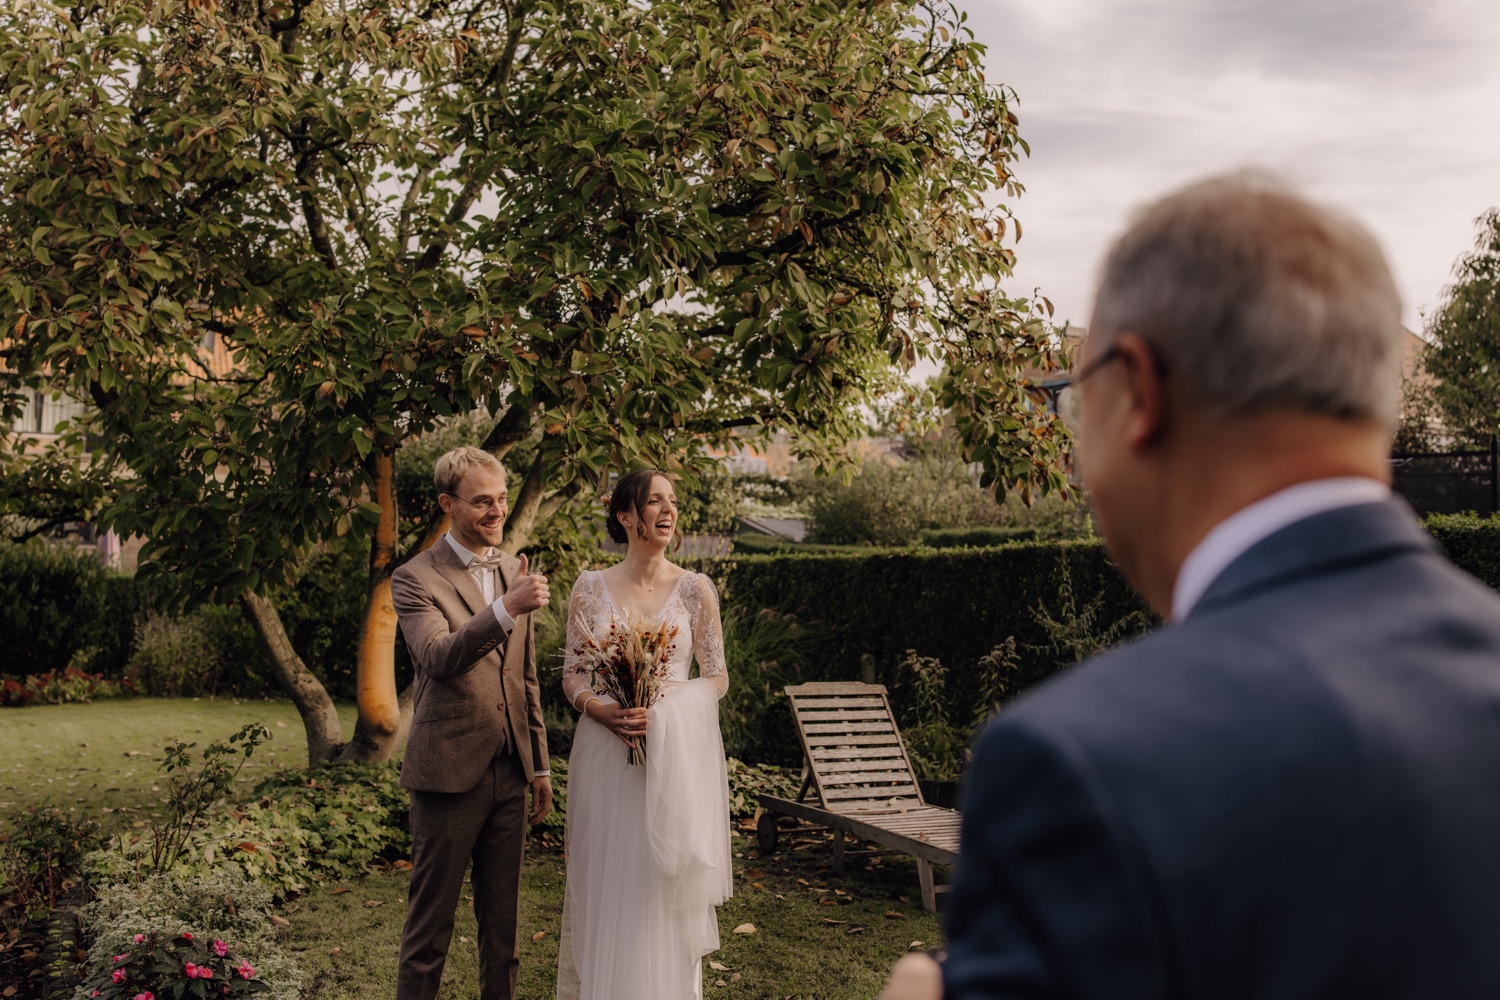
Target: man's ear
[
  {"x": 445, "y": 502},
  {"x": 1146, "y": 389}
]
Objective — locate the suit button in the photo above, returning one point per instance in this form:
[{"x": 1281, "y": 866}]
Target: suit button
[{"x": 501, "y": 706}]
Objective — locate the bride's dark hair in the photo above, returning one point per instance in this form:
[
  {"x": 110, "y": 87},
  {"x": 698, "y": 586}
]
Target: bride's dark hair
[{"x": 630, "y": 494}]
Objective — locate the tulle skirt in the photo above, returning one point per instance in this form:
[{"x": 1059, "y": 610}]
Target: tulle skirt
[{"x": 648, "y": 855}]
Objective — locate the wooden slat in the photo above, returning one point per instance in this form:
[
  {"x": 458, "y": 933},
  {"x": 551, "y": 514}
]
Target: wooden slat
[
  {"x": 833, "y": 687},
  {"x": 838, "y": 704},
  {"x": 852, "y": 715},
  {"x": 888, "y": 779},
  {"x": 876, "y": 793},
  {"x": 893, "y": 764},
  {"x": 892, "y": 753},
  {"x": 849, "y": 727},
  {"x": 830, "y": 740}
]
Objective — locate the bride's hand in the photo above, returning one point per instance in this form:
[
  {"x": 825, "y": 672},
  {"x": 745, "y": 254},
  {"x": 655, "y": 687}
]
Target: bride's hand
[{"x": 626, "y": 723}]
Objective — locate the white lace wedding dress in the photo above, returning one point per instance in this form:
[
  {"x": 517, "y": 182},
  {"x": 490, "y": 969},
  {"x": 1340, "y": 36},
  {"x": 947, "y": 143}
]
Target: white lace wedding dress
[{"x": 647, "y": 845}]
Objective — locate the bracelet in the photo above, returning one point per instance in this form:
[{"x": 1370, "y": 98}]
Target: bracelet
[{"x": 585, "y": 709}]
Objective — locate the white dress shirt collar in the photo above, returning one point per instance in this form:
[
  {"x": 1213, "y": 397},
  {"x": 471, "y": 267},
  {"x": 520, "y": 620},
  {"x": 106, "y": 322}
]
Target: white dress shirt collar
[
  {"x": 463, "y": 553},
  {"x": 1237, "y": 533}
]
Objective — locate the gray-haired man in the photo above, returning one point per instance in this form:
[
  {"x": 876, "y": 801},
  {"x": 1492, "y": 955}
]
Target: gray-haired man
[
  {"x": 1289, "y": 791},
  {"x": 477, "y": 740}
]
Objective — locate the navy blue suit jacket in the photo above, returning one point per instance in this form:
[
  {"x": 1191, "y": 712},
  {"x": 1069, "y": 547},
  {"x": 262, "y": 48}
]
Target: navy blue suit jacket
[{"x": 1294, "y": 793}]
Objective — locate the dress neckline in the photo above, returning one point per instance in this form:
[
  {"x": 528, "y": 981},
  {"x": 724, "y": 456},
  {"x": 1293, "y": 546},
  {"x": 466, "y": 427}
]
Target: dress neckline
[{"x": 663, "y": 606}]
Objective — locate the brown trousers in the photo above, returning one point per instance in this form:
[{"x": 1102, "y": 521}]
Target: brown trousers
[{"x": 486, "y": 826}]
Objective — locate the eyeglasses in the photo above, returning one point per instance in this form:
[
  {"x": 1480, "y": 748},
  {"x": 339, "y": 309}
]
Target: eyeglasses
[
  {"x": 1070, "y": 400},
  {"x": 483, "y": 504}
]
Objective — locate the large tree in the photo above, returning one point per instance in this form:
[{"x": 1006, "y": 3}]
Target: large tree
[
  {"x": 272, "y": 241},
  {"x": 1459, "y": 399}
]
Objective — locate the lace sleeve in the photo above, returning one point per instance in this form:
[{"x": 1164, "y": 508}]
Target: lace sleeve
[
  {"x": 583, "y": 610},
  {"x": 708, "y": 632}
]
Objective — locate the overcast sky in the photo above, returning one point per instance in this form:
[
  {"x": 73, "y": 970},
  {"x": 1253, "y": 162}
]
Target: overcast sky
[{"x": 1387, "y": 109}]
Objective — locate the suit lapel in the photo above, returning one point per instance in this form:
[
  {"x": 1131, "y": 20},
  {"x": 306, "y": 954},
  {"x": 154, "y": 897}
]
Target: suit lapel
[
  {"x": 455, "y": 572},
  {"x": 1319, "y": 544}
]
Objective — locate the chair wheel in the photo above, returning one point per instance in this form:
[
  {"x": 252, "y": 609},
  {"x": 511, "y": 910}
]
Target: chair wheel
[{"x": 766, "y": 832}]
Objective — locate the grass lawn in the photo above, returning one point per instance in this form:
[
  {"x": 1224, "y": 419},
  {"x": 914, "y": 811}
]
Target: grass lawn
[{"x": 817, "y": 937}]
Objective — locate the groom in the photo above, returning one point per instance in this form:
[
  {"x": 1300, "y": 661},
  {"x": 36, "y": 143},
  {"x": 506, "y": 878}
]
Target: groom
[{"x": 477, "y": 739}]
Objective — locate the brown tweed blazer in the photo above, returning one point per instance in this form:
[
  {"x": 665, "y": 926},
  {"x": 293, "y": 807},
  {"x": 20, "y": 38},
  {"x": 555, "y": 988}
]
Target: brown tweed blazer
[{"x": 471, "y": 677}]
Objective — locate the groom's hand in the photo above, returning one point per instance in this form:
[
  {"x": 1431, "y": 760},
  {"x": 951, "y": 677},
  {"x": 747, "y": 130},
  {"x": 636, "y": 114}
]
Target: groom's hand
[
  {"x": 527, "y": 593},
  {"x": 541, "y": 798}
]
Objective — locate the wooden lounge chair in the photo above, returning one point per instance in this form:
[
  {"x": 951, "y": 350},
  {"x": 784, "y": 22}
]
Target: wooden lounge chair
[{"x": 858, "y": 769}]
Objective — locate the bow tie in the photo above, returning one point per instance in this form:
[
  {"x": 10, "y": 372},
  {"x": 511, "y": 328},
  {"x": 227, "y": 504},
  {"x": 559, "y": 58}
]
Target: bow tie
[{"x": 491, "y": 561}]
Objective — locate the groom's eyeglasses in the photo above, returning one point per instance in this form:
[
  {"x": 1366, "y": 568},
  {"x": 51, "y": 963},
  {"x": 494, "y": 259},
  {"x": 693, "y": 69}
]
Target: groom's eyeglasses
[
  {"x": 483, "y": 503},
  {"x": 1070, "y": 403}
]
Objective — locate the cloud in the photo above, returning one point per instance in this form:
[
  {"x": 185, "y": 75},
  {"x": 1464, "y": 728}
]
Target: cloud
[{"x": 1379, "y": 107}]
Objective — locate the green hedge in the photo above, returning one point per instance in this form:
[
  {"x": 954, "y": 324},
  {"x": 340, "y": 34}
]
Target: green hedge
[
  {"x": 956, "y": 604},
  {"x": 1471, "y": 542},
  {"x": 60, "y": 607},
  {"x": 953, "y": 604},
  {"x": 978, "y": 538}
]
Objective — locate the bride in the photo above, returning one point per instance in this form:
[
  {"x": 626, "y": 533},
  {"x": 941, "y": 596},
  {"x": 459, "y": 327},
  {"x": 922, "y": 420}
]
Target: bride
[{"x": 647, "y": 845}]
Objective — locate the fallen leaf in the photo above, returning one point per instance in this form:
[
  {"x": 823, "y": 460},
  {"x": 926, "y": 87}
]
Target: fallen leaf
[
  {"x": 281, "y": 725},
  {"x": 372, "y": 903},
  {"x": 280, "y": 921},
  {"x": 753, "y": 873},
  {"x": 828, "y": 902},
  {"x": 840, "y": 892},
  {"x": 401, "y": 865},
  {"x": 734, "y": 978},
  {"x": 803, "y": 881},
  {"x": 745, "y": 929},
  {"x": 916, "y": 944},
  {"x": 903, "y": 899},
  {"x": 830, "y": 920},
  {"x": 719, "y": 967},
  {"x": 10, "y": 991},
  {"x": 720, "y": 982},
  {"x": 757, "y": 885},
  {"x": 893, "y": 913},
  {"x": 856, "y": 929},
  {"x": 334, "y": 951},
  {"x": 538, "y": 935},
  {"x": 342, "y": 888}
]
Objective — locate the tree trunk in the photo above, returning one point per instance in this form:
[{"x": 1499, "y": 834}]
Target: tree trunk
[
  {"x": 379, "y": 723},
  {"x": 319, "y": 718}
]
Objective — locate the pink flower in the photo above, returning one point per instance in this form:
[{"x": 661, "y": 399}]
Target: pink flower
[
  {"x": 246, "y": 970},
  {"x": 220, "y": 948},
  {"x": 187, "y": 935},
  {"x": 204, "y": 972},
  {"x": 118, "y": 975},
  {"x": 139, "y": 938},
  {"x": 121, "y": 958},
  {"x": 191, "y": 970},
  {"x": 145, "y": 996}
]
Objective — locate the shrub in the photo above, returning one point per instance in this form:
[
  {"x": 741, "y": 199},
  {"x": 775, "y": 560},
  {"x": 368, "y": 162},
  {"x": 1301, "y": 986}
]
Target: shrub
[
  {"x": 748, "y": 781},
  {"x": 60, "y": 607},
  {"x": 174, "y": 656},
  {"x": 299, "y": 827},
  {"x": 60, "y": 687},
  {"x": 764, "y": 652},
  {"x": 42, "y": 856},
  {"x": 176, "y": 966},
  {"x": 221, "y": 903}
]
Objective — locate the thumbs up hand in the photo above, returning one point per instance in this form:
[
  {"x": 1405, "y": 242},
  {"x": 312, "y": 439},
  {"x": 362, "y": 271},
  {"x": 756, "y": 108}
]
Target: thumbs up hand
[{"x": 527, "y": 592}]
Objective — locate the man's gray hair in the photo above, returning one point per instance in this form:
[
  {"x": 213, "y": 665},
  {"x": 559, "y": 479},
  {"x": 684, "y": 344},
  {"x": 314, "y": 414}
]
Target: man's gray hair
[
  {"x": 1256, "y": 300},
  {"x": 453, "y": 465}
]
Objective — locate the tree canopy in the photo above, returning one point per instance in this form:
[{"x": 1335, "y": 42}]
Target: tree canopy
[
  {"x": 1462, "y": 357},
  {"x": 269, "y": 243}
]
